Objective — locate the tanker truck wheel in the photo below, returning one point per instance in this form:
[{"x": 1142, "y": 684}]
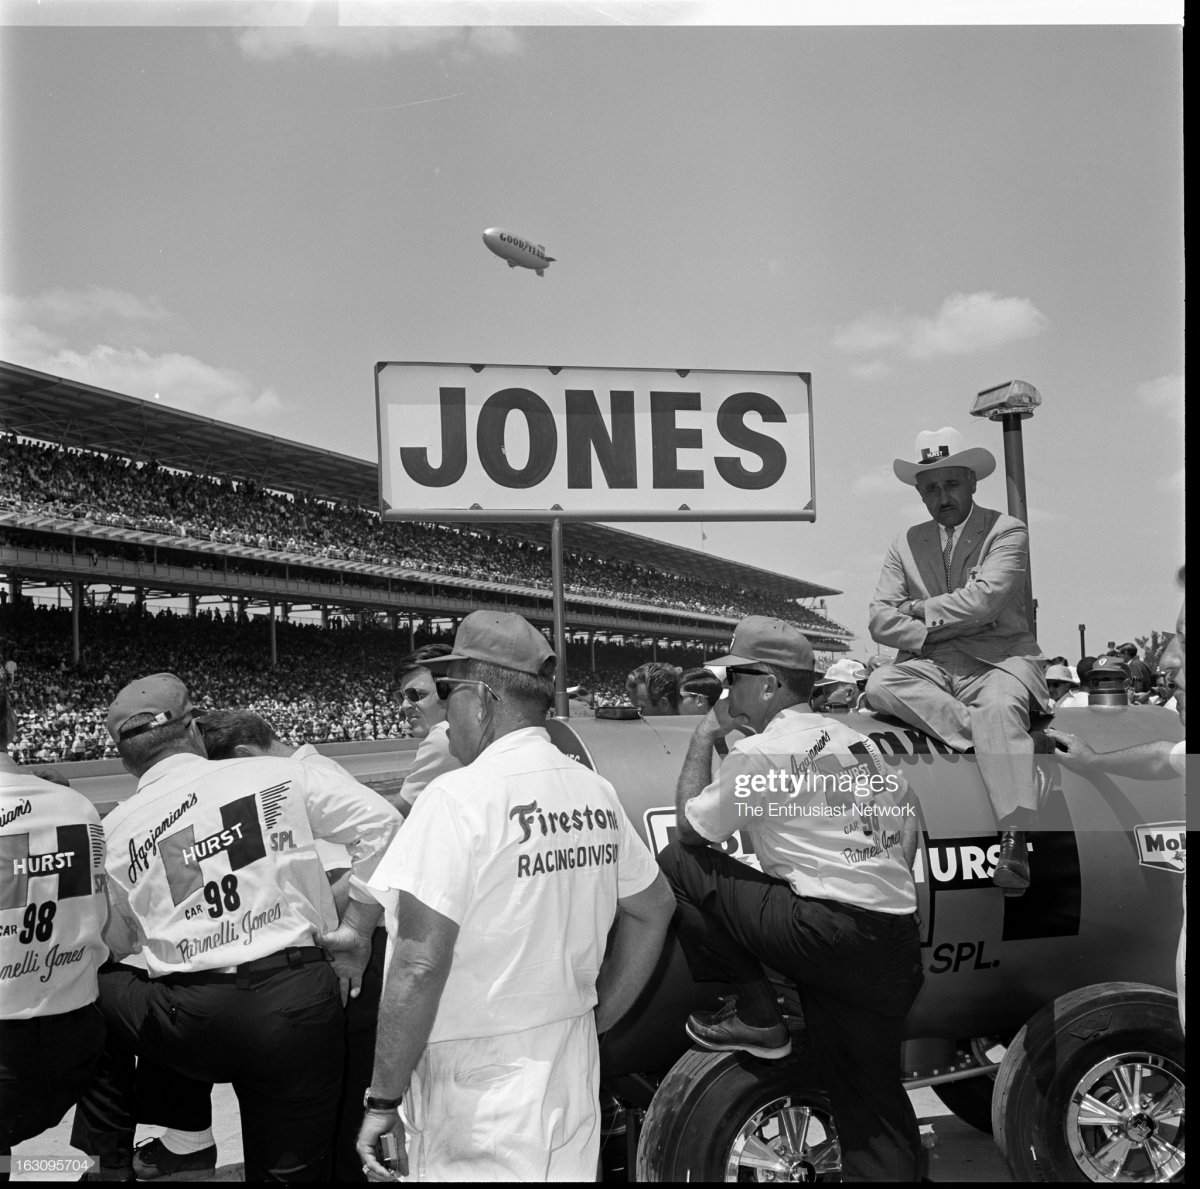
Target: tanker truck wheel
[
  {"x": 730, "y": 1117},
  {"x": 1092, "y": 1089},
  {"x": 971, "y": 1099}
]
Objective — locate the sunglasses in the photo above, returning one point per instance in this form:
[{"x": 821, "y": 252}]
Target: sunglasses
[
  {"x": 445, "y": 686},
  {"x": 731, "y": 675},
  {"x": 415, "y": 695}
]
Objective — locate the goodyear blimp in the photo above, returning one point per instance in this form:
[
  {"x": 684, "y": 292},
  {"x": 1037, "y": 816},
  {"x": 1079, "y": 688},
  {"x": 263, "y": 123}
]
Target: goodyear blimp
[{"x": 518, "y": 251}]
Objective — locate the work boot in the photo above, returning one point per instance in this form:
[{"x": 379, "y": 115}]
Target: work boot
[
  {"x": 154, "y": 1161},
  {"x": 1012, "y": 867},
  {"x": 723, "y": 1032}
]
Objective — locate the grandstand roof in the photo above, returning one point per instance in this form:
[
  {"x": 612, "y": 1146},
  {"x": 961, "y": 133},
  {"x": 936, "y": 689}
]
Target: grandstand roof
[{"x": 54, "y": 409}]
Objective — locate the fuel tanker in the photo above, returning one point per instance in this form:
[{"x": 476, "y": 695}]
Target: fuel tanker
[{"x": 1048, "y": 1018}]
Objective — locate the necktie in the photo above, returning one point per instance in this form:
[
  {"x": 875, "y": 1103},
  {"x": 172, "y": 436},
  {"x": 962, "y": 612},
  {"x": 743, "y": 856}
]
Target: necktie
[{"x": 947, "y": 553}]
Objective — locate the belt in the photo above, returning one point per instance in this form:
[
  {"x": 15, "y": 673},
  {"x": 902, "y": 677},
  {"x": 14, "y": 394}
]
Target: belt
[{"x": 293, "y": 957}]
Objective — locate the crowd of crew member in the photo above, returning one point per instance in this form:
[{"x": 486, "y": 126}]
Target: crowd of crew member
[{"x": 111, "y": 490}]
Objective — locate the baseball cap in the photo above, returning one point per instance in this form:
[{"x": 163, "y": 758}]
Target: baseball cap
[
  {"x": 763, "y": 640},
  {"x": 843, "y": 671},
  {"x": 501, "y": 638},
  {"x": 1108, "y": 666},
  {"x": 161, "y": 694}
]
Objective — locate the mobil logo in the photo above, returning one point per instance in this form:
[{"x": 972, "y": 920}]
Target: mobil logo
[{"x": 1162, "y": 845}]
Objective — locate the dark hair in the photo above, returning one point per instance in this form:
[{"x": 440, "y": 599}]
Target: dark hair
[
  {"x": 418, "y": 657},
  {"x": 224, "y": 730},
  {"x": 1085, "y": 666},
  {"x": 797, "y": 682},
  {"x": 660, "y": 679},
  {"x": 532, "y": 690},
  {"x": 702, "y": 683},
  {"x": 1129, "y": 650},
  {"x": 142, "y": 750}
]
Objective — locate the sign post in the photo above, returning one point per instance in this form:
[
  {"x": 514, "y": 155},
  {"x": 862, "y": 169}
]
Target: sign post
[
  {"x": 479, "y": 443},
  {"x": 561, "y": 702}
]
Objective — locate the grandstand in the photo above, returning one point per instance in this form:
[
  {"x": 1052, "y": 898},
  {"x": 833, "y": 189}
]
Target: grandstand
[{"x": 122, "y": 503}]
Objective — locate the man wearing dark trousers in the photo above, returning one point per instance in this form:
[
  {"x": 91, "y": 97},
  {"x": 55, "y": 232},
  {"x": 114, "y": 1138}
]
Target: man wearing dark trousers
[
  {"x": 52, "y": 906},
  {"x": 213, "y": 876},
  {"x": 163, "y": 1097},
  {"x": 834, "y": 907}
]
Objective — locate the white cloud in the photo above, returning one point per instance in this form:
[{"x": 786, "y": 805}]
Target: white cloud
[
  {"x": 965, "y": 323},
  {"x": 1164, "y": 395},
  {"x": 179, "y": 380},
  {"x": 876, "y": 369},
  {"x": 64, "y": 306},
  {"x": 373, "y": 39},
  {"x": 876, "y": 483}
]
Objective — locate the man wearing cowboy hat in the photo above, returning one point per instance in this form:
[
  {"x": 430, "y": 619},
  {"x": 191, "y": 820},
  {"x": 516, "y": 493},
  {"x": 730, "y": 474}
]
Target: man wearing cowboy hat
[
  {"x": 840, "y": 687},
  {"x": 951, "y": 599}
]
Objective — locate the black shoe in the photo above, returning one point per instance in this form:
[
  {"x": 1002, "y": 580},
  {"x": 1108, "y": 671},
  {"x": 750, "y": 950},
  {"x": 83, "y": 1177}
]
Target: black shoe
[
  {"x": 154, "y": 1161},
  {"x": 723, "y": 1032},
  {"x": 1012, "y": 867}
]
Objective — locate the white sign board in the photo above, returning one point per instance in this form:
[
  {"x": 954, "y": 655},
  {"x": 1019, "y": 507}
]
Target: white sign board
[{"x": 475, "y": 442}]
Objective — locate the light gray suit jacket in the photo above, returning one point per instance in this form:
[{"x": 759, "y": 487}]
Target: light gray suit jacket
[{"x": 982, "y": 612}]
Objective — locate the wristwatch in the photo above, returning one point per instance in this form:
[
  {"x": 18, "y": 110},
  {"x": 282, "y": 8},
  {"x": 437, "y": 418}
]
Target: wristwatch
[{"x": 380, "y": 1104}]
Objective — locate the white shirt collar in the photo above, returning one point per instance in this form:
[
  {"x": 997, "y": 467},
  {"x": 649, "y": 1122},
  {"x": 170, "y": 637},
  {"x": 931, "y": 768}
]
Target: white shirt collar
[{"x": 960, "y": 530}]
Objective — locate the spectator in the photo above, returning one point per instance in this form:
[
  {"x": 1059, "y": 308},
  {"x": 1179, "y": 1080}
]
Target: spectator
[
  {"x": 699, "y": 690},
  {"x": 1063, "y": 684},
  {"x": 841, "y": 686},
  {"x": 654, "y": 688},
  {"x": 1141, "y": 676},
  {"x": 425, "y": 713}
]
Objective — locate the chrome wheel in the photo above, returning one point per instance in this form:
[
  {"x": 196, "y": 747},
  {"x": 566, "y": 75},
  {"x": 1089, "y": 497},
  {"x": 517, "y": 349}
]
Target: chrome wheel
[
  {"x": 787, "y": 1140},
  {"x": 1125, "y": 1120}
]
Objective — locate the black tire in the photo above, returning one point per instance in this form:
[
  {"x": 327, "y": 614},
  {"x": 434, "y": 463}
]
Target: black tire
[
  {"x": 1091, "y": 1042},
  {"x": 728, "y": 1116},
  {"x": 970, "y": 1100}
]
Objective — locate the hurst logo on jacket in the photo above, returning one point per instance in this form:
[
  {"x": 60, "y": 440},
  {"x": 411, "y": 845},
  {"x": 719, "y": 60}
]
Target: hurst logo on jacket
[
  {"x": 213, "y": 864},
  {"x": 52, "y": 901}
]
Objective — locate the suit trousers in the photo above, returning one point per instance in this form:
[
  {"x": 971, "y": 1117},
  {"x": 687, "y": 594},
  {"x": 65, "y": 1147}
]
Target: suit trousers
[
  {"x": 967, "y": 703},
  {"x": 277, "y": 1037},
  {"x": 857, "y": 971}
]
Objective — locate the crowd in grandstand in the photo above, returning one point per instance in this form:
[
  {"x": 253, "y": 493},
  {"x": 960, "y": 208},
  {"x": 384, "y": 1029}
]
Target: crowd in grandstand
[
  {"x": 110, "y": 490},
  {"x": 328, "y": 686}
]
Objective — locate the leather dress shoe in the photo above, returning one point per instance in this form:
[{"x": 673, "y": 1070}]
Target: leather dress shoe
[
  {"x": 1012, "y": 867},
  {"x": 725, "y": 1032}
]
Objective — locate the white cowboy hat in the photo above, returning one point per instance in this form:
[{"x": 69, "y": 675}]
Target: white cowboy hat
[
  {"x": 844, "y": 670},
  {"x": 940, "y": 448}
]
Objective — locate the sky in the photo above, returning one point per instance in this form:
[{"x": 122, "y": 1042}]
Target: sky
[{"x": 244, "y": 209}]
